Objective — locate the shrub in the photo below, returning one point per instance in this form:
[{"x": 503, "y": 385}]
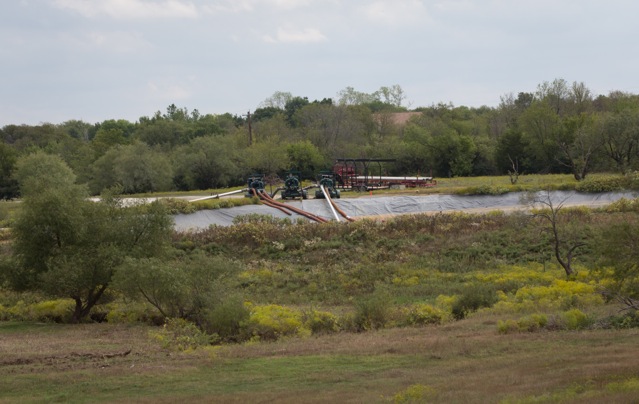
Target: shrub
[
  {"x": 601, "y": 184},
  {"x": 272, "y": 322},
  {"x": 473, "y": 298},
  {"x": 182, "y": 335},
  {"x": 623, "y": 205},
  {"x": 573, "y": 319},
  {"x": 176, "y": 206},
  {"x": 371, "y": 313},
  {"x": 58, "y": 311},
  {"x": 561, "y": 294},
  {"x": 226, "y": 319},
  {"x": 507, "y": 326},
  {"x": 320, "y": 322},
  {"x": 630, "y": 319},
  {"x": 422, "y": 314},
  {"x": 482, "y": 190},
  {"x": 416, "y": 393},
  {"x": 128, "y": 313},
  {"x": 532, "y": 322}
]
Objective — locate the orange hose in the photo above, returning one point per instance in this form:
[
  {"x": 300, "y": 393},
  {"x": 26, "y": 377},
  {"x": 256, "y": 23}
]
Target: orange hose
[{"x": 293, "y": 208}]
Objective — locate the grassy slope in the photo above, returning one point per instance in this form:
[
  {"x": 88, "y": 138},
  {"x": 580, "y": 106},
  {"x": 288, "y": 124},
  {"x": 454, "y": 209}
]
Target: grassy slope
[{"x": 464, "y": 361}]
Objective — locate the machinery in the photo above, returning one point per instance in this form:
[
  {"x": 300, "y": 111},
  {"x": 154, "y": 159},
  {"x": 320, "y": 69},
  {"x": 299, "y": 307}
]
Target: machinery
[
  {"x": 292, "y": 188},
  {"x": 327, "y": 180},
  {"x": 255, "y": 183},
  {"x": 366, "y": 174}
]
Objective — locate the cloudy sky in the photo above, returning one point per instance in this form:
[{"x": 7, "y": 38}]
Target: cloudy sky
[{"x": 123, "y": 59}]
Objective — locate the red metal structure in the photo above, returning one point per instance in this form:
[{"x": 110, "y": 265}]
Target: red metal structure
[{"x": 366, "y": 174}]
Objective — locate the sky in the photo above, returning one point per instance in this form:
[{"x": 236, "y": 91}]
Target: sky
[{"x": 95, "y": 60}]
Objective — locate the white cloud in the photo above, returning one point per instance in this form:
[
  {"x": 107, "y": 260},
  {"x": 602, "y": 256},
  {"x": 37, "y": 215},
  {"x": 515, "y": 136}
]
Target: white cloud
[
  {"x": 288, "y": 35},
  {"x": 395, "y": 12},
  {"x": 230, "y": 6},
  {"x": 168, "y": 92},
  {"x": 118, "y": 41},
  {"x": 130, "y": 9}
]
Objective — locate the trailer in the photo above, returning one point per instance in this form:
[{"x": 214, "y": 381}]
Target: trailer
[{"x": 367, "y": 174}]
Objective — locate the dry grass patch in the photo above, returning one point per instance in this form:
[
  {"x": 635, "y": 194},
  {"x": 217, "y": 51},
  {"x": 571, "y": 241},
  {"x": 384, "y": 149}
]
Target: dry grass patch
[{"x": 466, "y": 361}]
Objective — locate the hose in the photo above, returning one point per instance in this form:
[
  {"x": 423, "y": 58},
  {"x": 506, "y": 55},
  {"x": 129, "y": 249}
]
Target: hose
[{"x": 304, "y": 213}]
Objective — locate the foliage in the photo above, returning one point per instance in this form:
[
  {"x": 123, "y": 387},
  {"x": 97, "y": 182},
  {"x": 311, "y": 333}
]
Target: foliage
[
  {"x": 181, "y": 335},
  {"x": 320, "y": 322},
  {"x": 618, "y": 248},
  {"x": 473, "y": 297},
  {"x": 573, "y": 319},
  {"x": 68, "y": 246},
  {"x": 422, "y": 314},
  {"x": 271, "y": 322},
  {"x": 560, "y": 294},
  {"x": 226, "y": 319},
  {"x": 416, "y": 393},
  {"x": 602, "y": 184},
  {"x": 629, "y": 319},
  {"x": 58, "y": 311},
  {"x": 183, "y": 286},
  {"x": 371, "y": 312}
]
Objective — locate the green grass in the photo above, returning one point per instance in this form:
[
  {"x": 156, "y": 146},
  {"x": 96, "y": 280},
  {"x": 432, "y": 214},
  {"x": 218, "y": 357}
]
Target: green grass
[{"x": 462, "y": 362}]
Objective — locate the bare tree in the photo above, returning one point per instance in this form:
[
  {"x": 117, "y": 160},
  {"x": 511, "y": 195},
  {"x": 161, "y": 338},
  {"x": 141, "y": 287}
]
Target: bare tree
[
  {"x": 564, "y": 242},
  {"x": 514, "y": 174}
]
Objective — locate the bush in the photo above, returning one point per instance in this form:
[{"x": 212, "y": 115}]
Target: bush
[
  {"x": 629, "y": 319},
  {"x": 128, "y": 313},
  {"x": 573, "y": 319},
  {"x": 473, "y": 298},
  {"x": 422, "y": 314},
  {"x": 371, "y": 313},
  {"x": 417, "y": 393},
  {"x": 601, "y": 184},
  {"x": 320, "y": 322},
  {"x": 226, "y": 320},
  {"x": 483, "y": 190},
  {"x": 272, "y": 322},
  {"x": 182, "y": 335},
  {"x": 57, "y": 311}
]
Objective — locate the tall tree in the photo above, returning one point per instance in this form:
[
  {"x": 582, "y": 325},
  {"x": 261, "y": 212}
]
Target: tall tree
[{"x": 68, "y": 246}]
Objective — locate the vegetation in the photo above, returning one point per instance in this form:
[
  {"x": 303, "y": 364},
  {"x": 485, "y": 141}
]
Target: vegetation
[
  {"x": 399, "y": 309},
  {"x": 560, "y": 128},
  {"x": 361, "y": 301}
]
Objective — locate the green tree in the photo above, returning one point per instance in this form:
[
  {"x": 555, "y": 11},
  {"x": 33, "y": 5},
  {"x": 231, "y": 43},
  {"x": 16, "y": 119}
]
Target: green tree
[
  {"x": 184, "y": 286},
  {"x": 68, "y": 246},
  {"x": 305, "y": 158},
  {"x": 138, "y": 168},
  {"x": 621, "y": 138},
  {"x": 292, "y": 106},
  {"x": 618, "y": 248},
  {"x": 205, "y": 163},
  {"x": 8, "y": 185},
  {"x": 579, "y": 144}
]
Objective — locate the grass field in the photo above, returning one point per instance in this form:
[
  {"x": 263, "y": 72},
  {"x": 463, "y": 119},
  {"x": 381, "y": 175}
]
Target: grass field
[{"x": 466, "y": 361}]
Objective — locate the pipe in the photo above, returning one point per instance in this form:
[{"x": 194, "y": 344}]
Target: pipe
[
  {"x": 293, "y": 208},
  {"x": 330, "y": 205},
  {"x": 267, "y": 203},
  {"x": 218, "y": 195},
  {"x": 337, "y": 208}
]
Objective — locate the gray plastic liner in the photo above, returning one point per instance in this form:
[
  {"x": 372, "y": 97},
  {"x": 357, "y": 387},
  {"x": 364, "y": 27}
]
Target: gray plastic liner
[{"x": 394, "y": 205}]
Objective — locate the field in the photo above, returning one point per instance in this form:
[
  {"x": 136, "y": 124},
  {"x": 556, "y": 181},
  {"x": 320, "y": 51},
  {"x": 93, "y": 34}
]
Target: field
[
  {"x": 456, "y": 307},
  {"x": 467, "y": 361}
]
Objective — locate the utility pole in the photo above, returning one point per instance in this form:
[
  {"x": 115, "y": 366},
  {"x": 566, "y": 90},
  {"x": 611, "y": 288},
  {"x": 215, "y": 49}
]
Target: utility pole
[{"x": 248, "y": 117}]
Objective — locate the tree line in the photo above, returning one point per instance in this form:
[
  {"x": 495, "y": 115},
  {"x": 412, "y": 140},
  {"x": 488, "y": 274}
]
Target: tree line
[{"x": 559, "y": 128}]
